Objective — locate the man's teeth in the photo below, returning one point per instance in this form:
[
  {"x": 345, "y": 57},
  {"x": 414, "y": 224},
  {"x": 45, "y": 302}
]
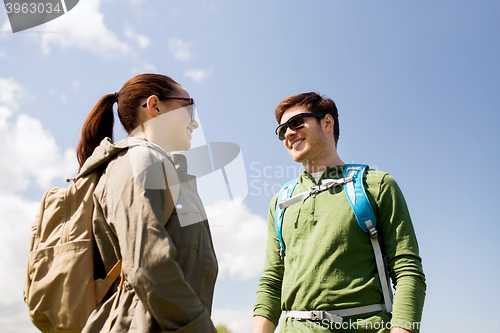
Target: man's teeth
[{"x": 296, "y": 143}]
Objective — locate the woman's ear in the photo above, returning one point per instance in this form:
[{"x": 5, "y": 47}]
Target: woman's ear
[{"x": 153, "y": 105}]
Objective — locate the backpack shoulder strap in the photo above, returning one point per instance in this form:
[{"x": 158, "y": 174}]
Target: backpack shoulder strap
[
  {"x": 357, "y": 197},
  {"x": 285, "y": 193},
  {"x": 362, "y": 208}
]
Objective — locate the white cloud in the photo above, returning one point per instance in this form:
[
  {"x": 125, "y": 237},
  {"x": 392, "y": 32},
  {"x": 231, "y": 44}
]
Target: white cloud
[
  {"x": 29, "y": 155},
  {"x": 239, "y": 240},
  {"x": 82, "y": 28},
  {"x": 5, "y": 29},
  {"x": 198, "y": 75},
  {"x": 144, "y": 68},
  {"x": 14, "y": 319},
  {"x": 142, "y": 40},
  {"x": 10, "y": 93},
  {"x": 180, "y": 50},
  {"x": 17, "y": 216},
  {"x": 28, "y": 150},
  {"x": 237, "y": 321},
  {"x": 5, "y": 113}
]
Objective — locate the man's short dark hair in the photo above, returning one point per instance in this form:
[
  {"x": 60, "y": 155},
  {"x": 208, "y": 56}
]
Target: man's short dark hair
[{"x": 314, "y": 103}]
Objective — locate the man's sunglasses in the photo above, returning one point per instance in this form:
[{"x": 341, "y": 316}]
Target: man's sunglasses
[
  {"x": 189, "y": 100},
  {"x": 294, "y": 123}
]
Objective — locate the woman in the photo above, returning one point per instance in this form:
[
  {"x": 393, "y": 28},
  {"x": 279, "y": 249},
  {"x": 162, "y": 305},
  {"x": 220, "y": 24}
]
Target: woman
[{"x": 168, "y": 271}]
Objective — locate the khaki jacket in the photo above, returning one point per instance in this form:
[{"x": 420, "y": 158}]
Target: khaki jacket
[{"x": 170, "y": 271}]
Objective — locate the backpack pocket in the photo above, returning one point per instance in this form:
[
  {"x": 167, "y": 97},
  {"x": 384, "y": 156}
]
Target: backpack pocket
[{"x": 60, "y": 291}]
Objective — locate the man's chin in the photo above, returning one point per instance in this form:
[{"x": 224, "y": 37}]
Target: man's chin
[{"x": 297, "y": 156}]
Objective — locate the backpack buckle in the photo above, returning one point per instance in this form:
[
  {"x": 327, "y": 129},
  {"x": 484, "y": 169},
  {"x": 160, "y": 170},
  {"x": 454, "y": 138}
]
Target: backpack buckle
[
  {"x": 372, "y": 231},
  {"x": 314, "y": 190},
  {"x": 317, "y": 315}
]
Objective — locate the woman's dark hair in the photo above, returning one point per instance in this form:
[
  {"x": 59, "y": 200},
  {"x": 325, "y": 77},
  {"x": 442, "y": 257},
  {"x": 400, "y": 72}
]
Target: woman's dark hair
[
  {"x": 315, "y": 103},
  {"x": 99, "y": 123}
]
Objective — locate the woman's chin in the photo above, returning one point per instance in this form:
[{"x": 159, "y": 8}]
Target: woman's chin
[{"x": 184, "y": 146}]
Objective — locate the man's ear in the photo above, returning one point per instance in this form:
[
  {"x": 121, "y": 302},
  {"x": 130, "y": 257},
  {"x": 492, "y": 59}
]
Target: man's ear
[{"x": 327, "y": 123}]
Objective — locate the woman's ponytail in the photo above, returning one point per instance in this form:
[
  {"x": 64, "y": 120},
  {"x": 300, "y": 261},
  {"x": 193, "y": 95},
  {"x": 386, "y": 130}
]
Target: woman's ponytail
[{"x": 97, "y": 126}]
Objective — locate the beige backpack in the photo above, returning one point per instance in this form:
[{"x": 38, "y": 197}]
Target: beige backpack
[{"x": 60, "y": 289}]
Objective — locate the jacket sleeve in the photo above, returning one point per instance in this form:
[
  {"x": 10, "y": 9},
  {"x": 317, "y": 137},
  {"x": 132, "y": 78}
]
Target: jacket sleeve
[
  {"x": 401, "y": 249},
  {"x": 135, "y": 212},
  {"x": 268, "y": 301}
]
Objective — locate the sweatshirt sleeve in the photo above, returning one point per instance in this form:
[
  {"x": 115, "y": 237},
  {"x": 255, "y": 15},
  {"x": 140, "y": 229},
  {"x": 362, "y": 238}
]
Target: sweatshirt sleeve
[
  {"x": 401, "y": 249},
  {"x": 135, "y": 212},
  {"x": 268, "y": 301}
]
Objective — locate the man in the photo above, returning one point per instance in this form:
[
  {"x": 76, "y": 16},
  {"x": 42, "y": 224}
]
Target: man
[{"x": 329, "y": 264}]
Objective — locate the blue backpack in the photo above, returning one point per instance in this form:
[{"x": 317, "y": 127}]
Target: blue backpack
[{"x": 360, "y": 204}]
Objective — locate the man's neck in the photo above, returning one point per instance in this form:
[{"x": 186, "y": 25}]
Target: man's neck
[{"x": 321, "y": 164}]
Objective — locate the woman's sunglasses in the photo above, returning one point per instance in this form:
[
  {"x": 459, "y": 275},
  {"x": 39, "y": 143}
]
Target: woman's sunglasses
[
  {"x": 189, "y": 100},
  {"x": 294, "y": 123}
]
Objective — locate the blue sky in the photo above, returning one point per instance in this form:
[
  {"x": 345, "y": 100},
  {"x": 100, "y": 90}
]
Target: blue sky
[{"x": 416, "y": 85}]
